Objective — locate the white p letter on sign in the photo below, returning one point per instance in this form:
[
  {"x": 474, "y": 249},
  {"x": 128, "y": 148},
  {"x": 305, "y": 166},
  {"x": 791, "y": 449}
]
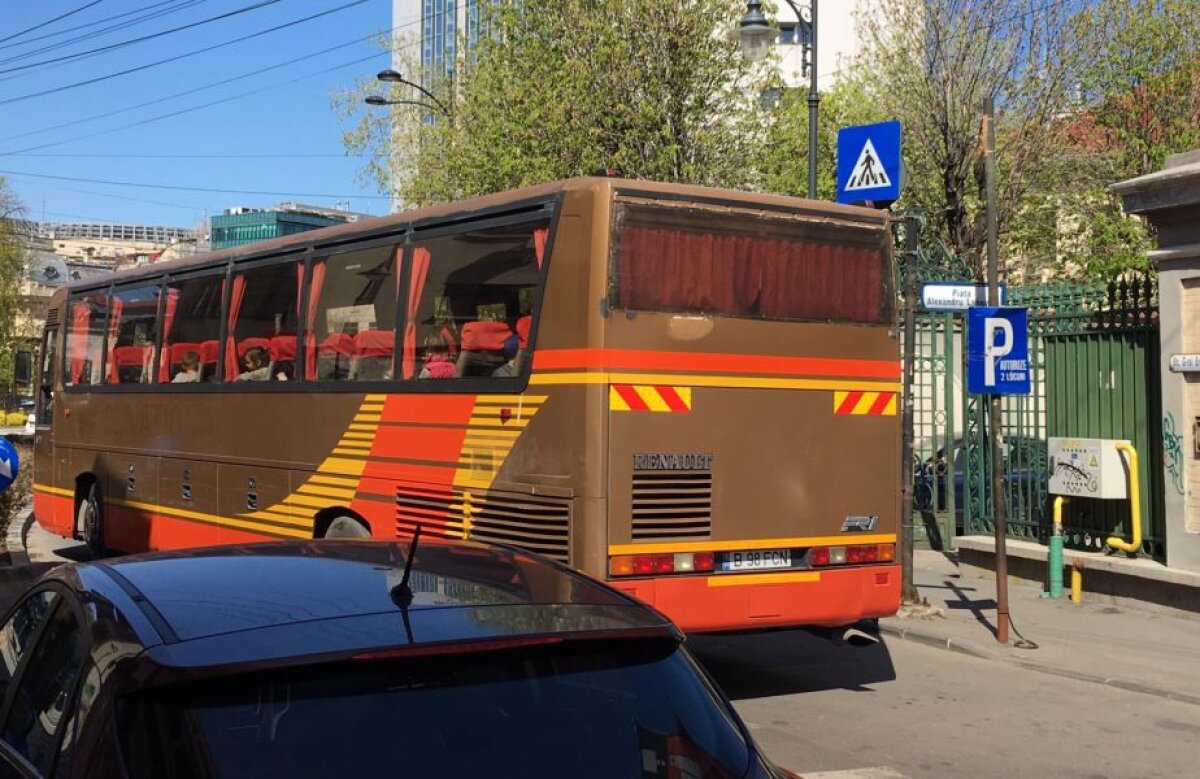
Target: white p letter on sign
[{"x": 995, "y": 350}]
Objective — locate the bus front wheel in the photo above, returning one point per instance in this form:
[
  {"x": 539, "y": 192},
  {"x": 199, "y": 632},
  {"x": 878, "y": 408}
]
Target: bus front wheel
[
  {"x": 90, "y": 521},
  {"x": 346, "y": 527}
]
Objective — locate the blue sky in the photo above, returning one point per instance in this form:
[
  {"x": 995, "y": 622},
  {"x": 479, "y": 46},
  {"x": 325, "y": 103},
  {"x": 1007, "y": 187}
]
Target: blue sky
[{"x": 209, "y": 152}]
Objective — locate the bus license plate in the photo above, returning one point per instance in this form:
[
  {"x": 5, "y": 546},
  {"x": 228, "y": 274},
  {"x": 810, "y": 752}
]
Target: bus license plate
[{"x": 757, "y": 560}]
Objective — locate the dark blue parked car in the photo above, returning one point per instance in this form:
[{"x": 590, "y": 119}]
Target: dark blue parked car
[
  {"x": 1025, "y": 474},
  {"x": 339, "y": 658}
]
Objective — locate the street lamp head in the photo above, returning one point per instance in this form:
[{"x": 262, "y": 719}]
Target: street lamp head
[
  {"x": 755, "y": 32},
  {"x": 390, "y": 76},
  {"x": 377, "y": 100}
]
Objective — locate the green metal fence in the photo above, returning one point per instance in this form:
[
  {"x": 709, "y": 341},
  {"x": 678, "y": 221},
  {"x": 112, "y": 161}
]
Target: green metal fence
[{"x": 1094, "y": 367}]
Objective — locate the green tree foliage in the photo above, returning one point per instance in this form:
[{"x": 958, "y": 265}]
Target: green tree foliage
[
  {"x": 656, "y": 88},
  {"x": 932, "y": 64},
  {"x": 785, "y": 151},
  {"x": 12, "y": 267}
]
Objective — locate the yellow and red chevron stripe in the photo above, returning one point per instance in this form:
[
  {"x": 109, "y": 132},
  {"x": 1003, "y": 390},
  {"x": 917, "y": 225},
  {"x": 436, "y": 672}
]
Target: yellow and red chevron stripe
[
  {"x": 871, "y": 404},
  {"x": 642, "y": 397}
]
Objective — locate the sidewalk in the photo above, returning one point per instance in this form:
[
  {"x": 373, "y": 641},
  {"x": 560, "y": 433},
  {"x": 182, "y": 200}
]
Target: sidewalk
[{"x": 1143, "y": 650}]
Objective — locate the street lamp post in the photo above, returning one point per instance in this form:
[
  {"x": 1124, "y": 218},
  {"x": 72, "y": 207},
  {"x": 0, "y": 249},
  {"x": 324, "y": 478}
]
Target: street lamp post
[
  {"x": 393, "y": 77},
  {"x": 756, "y": 33}
]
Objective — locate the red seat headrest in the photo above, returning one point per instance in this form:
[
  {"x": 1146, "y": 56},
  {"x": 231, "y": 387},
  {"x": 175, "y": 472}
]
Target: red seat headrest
[
  {"x": 130, "y": 355},
  {"x": 178, "y": 350},
  {"x": 283, "y": 347},
  {"x": 375, "y": 343},
  {"x": 484, "y": 336},
  {"x": 523, "y": 325},
  {"x": 249, "y": 343},
  {"x": 338, "y": 343},
  {"x": 209, "y": 350}
]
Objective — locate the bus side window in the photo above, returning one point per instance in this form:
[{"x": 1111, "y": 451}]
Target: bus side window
[
  {"x": 132, "y": 327},
  {"x": 45, "y": 402},
  {"x": 191, "y": 329},
  {"x": 86, "y": 328},
  {"x": 263, "y": 322},
  {"x": 477, "y": 291},
  {"x": 351, "y": 317}
]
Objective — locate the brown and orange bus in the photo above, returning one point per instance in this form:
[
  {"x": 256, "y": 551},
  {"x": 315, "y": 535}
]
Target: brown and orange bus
[{"x": 689, "y": 392}]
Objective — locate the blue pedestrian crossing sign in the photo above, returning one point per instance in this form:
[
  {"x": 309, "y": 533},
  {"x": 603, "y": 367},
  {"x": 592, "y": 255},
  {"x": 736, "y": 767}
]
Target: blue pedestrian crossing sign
[
  {"x": 868, "y": 163},
  {"x": 10, "y": 464},
  {"x": 997, "y": 351}
]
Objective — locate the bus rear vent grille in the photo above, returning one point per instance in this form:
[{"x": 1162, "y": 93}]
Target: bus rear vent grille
[
  {"x": 535, "y": 522},
  {"x": 52, "y": 317},
  {"x": 672, "y": 505}
]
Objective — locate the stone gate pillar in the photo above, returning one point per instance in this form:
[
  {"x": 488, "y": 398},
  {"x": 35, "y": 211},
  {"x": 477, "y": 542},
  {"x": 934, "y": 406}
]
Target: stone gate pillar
[{"x": 1170, "y": 201}]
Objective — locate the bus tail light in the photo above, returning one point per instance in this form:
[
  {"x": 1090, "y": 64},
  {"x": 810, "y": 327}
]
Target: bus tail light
[
  {"x": 821, "y": 556},
  {"x": 651, "y": 564}
]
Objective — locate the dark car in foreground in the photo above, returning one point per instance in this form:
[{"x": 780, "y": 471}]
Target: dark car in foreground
[{"x": 340, "y": 658}]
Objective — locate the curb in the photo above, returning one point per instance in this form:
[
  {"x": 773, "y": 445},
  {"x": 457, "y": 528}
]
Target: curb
[
  {"x": 935, "y": 639},
  {"x": 15, "y": 538}
]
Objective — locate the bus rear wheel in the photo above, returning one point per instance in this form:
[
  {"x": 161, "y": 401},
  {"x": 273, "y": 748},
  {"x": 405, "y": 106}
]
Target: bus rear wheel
[
  {"x": 346, "y": 527},
  {"x": 90, "y": 521}
]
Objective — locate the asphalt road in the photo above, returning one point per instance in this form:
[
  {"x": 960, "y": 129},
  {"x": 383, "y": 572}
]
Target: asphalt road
[{"x": 908, "y": 710}]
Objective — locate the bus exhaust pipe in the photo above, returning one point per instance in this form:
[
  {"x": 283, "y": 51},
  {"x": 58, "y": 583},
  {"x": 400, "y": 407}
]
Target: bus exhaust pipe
[{"x": 854, "y": 637}]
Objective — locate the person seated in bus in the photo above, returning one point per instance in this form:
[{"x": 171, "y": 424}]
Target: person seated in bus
[
  {"x": 258, "y": 365},
  {"x": 482, "y": 348},
  {"x": 189, "y": 368},
  {"x": 438, "y": 362}
]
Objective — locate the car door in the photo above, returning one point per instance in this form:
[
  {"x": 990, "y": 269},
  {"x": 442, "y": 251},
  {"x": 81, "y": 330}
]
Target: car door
[{"x": 40, "y": 695}]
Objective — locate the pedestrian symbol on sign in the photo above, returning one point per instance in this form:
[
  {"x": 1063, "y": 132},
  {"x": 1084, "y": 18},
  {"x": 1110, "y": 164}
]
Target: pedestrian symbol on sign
[{"x": 868, "y": 172}]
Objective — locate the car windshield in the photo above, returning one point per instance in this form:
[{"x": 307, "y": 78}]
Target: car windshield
[{"x": 586, "y": 709}]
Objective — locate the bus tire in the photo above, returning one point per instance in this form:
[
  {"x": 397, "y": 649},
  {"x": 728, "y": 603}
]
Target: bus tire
[
  {"x": 89, "y": 520},
  {"x": 343, "y": 526}
]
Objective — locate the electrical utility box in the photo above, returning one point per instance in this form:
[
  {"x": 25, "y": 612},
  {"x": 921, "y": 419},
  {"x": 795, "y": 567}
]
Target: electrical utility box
[{"x": 1087, "y": 468}]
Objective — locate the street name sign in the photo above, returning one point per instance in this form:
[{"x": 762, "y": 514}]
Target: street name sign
[
  {"x": 868, "y": 163},
  {"x": 1185, "y": 363},
  {"x": 997, "y": 351},
  {"x": 957, "y": 295}
]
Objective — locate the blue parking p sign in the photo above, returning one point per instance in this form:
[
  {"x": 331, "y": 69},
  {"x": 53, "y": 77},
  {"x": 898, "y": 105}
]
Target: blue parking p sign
[{"x": 997, "y": 351}]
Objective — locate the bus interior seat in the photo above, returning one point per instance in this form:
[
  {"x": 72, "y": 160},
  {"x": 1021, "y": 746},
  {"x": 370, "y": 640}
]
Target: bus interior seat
[
  {"x": 130, "y": 363},
  {"x": 283, "y": 357},
  {"x": 209, "y": 351},
  {"x": 482, "y": 348},
  {"x": 373, "y": 350},
  {"x": 334, "y": 356}
]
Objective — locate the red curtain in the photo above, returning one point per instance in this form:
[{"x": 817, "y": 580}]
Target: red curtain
[
  {"x": 164, "y": 356},
  {"x": 81, "y": 317},
  {"x": 115, "y": 305},
  {"x": 540, "y": 235},
  {"x": 822, "y": 282},
  {"x": 235, "y": 306},
  {"x": 675, "y": 270},
  {"x": 310, "y": 322},
  {"x": 420, "y": 271}
]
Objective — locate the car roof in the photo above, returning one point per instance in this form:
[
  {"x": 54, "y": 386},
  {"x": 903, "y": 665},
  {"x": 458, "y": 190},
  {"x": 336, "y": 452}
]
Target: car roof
[{"x": 258, "y": 602}]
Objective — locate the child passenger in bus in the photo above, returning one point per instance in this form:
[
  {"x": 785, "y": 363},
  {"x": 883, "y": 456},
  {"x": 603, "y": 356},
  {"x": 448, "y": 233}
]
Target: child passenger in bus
[
  {"x": 438, "y": 363},
  {"x": 189, "y": 369},
  {"x": 258, "y": 365}
]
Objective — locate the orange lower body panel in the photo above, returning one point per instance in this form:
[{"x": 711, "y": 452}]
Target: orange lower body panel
[{"x": 831, "y": 598}]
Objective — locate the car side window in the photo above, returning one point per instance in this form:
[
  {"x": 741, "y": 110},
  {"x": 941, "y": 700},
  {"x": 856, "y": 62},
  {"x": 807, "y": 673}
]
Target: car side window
[
  {"x": 41, "y": 702},
  {"x": 17, "y": 633}
]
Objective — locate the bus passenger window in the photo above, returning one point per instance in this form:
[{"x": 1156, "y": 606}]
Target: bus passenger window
[
  {"x": 85, "y": 339},
  {"x": 132, "y": 327},
  {"x": 473, "y": 298},
  {"x": 191, "y": 325},
  {"x": 262, "y": 322},
  {"x": 351, "y": 322}
]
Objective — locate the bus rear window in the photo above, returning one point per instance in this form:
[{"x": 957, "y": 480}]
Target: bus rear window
[{"x": 750, "y": 267}]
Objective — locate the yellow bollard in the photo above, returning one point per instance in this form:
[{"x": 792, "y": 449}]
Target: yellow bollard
[
  {"x": 1135, "y": 504},
  {"x": 1076, "y": 583}
]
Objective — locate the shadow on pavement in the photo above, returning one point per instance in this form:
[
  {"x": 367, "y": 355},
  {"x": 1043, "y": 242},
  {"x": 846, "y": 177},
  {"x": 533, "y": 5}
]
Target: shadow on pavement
[{"x": 760, "y": 665}]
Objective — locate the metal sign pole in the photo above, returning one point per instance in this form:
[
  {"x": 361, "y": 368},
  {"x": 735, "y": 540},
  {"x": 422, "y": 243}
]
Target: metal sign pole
[
  {"x": 993, "y": 279},
  {"x": 908, "y": 590}
]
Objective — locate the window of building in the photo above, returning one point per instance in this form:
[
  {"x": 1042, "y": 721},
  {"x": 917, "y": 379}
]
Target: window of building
[
  {"x": 85, "y": 339},
  {"x": 263, "y": 316},
  {"x": 132, "y": 326},
  {"x": 191, "y": 327},
  {"x": 351, "y": 323},
  {"x": 470, "y": 302},
  {"x": 788, "y": 34}
]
